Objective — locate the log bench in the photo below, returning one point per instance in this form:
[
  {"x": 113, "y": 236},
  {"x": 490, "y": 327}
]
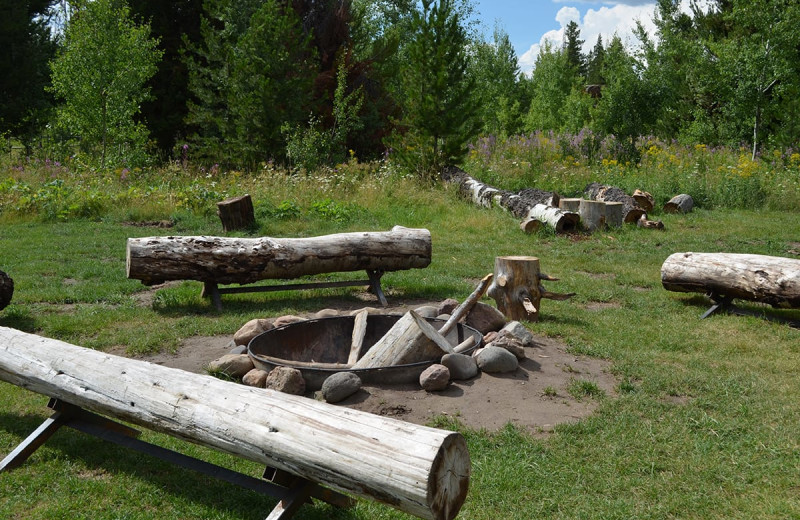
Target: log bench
[
  {"x": 311, "y": 449},
  {"x": 242, "y": 261},
  {"x": 724, "y": 277}
]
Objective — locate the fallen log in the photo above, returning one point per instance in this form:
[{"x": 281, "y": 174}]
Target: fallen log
[
  {"x": 765, "y": 279},
  {"x": 155, "y": 260},
  {"x": 682, "y": 203},
  {"x": 419, "y": 470},
  {"x": 644, "y": 200},
  {"x": 517, "y": 287},
  {"x": 631, "y": 212},
  {"x": 558, "y": 219}
]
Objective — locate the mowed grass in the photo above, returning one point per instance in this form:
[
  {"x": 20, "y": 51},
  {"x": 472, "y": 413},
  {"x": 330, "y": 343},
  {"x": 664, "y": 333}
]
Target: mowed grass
[{"x": 705, "y": 422}]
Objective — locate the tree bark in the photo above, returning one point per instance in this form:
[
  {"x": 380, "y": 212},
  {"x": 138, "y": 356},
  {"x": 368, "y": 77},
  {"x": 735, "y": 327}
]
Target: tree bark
[
  {"x": 561, "y": 221},
  {"x": 236, "y": 213},
  {"x": 766, "y": 279},
  {"x": 6, "y": 290},
  {"x": 682, "y": 203},
  {"x": 631, "y": 212},
  {"x": 422, "y": 471},
  {"x": 517, "y": 288},
  {"x": 154, "y": 260}
]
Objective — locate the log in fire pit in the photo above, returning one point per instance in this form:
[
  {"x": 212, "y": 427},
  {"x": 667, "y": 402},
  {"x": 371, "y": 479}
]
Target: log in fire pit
[{"x": 321, "y": 347}]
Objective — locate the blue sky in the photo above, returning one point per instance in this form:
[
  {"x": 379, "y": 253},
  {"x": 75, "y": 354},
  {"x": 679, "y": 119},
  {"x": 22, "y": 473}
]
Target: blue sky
[{"x": 529, "y": 22}]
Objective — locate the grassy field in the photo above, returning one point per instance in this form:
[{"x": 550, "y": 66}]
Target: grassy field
[{"x": 706, "y": 423}]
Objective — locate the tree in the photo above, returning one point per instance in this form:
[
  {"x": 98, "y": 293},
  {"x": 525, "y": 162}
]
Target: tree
[
  {"x": 24, "y": 74},
  {"x": 438, "y": 108},
  {"x": 573, "y": 48},
  {"x": 100, "y": 76},
  {"x": 552, "y": 81},
  {"x": 594, "y": 63}
]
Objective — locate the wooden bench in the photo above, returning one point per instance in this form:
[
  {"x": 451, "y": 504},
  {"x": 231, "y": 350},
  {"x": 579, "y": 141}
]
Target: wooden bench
[{"x": 222, "y": 260}]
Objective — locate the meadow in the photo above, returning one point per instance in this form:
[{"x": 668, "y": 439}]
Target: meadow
[{"x": 704, "y": 422}]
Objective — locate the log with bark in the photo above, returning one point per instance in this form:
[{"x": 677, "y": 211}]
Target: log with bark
[
  {"x": 521, "y": 204},
  {"x": 155, "y": 260},
  {"x": 236, "y": 213},
  {"x": 631, "y": 212},
  {"x": 558, "y": 219},
  {"x": 416, "y": 469},
  {"x": 766, "y": 279},
  {"x": 517, "y": 288},
  {"x": 682, "y": 203},
  {"x": 6, "y": 290},
  {"x": 644, "y": 200}
]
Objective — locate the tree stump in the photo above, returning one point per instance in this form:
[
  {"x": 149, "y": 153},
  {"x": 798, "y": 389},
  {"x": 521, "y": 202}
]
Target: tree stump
[
  {"x": 573, "y": 205},
  {"x": 614, "y": 216},
  {"x": 6, "y": 289},
  {"x": 236, "y": 213},
  {"x": 593, "y": 214},
  {"x": 682, "y": 203},
  {"x": 517, "y": 288}
]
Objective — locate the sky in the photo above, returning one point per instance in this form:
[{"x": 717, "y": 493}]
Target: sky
[{"x": 530, "y": 22}]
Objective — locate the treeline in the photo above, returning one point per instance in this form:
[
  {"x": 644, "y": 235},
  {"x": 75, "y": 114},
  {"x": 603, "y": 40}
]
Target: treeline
[{"x": 243, "y": 83}]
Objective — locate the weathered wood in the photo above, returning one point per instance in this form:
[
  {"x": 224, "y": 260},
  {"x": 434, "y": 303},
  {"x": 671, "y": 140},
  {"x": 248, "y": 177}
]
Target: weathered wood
[
  {"x": 766, "y": 279},
  {"x": 225, "y": 260},
  {"x": 410, "y": 340},
  {"x": 643, "y": 222},
  {"x": 530, "y": 225},
  {"x": 593, "y": 214},
  {"x": 422, "y": 471},
  {"x": 236, "y": 213},
  {"x": 517, "y": 289},
  {"x": 573, "y": 205},
  {"x": 682, "y": 203},
  {"x": 6, "y": 290},
  {"x": 644, "y": 200},
  {"x": 463, "y": 309},
  {"x": 631, "y": 212},
  {"x": 614, "y": 214},
  {"x": 359, "y": 331},
  {"x": 561, "y": 221}
]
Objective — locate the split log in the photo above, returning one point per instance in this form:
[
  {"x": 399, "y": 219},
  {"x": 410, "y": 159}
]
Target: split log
[
  {"x": 410, "y": 340},
  {"x": 644, "y": 200},
  {"x": 236, "y": 213},
  {"x": 463, "y": 309},
  {"x": 359, "y": 332},
  {"x": 767, "y": 279},
  {"x": 6, "y": 290},
  {"x": 631, "y": 212},
  {"x": 155, "y": 260},
  {"x": 420, "y": 470},
  {"x": 614, "y": 214},
  {"x": 561, "y": 221},
  {"x": 682, "y": 203},
  {"x": 517, "y": 288},
  {"x": 518, "y": 204},
  {"x": 593, "y": 214}
]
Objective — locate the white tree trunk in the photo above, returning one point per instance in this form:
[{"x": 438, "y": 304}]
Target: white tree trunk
[
  {"x": 422, "y": 471},
  {"x": 558, "y": 219},
  {"x": 766, "y": 279},
  {"x": 224, "y": 260}
]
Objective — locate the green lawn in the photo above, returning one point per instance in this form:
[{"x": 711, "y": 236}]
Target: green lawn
[{"x": 706, "y": 423}]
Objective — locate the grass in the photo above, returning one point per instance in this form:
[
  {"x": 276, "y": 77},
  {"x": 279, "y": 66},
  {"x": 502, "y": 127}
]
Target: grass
[{"x": 705, "y": 425}]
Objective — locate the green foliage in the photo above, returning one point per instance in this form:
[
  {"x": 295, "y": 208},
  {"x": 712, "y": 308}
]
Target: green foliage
[
  {"x": 438, "y": 112},
  {"x": 551, "y": 83},
  {"x": 100, "y": 75}
]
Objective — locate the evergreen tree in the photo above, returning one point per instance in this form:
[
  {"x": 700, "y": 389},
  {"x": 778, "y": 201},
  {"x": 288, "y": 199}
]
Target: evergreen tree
[
  {"x": 573, "y": 48},
  {"x": 439, "y": 112},
  {"x": 594, "y": 63},
  {"x": 24, "y": 73},
  {"x": 100, "y": 75}
]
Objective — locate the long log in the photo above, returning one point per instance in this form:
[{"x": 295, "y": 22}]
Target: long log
[
  {"x": 766, "y": 279},
  {"x": 155, "y": 260},
  {"x": 420, "y": 470}
]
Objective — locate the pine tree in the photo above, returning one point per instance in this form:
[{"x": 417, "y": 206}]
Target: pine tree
[
  {"x": 594, "y": 63},
  {"x": 572, "y": 46}
]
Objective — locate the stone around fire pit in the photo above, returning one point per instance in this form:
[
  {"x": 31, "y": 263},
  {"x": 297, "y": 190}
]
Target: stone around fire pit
[
  {"x": 496, "y": 359},
  {"x": 286, "y": 380},
  {"x": 434, "y": 378},
  {"x": 461, "y": 366},
  {"x": 250, "y": 330},
  {"x": 521, "y": 332},
  {"x": 485, "y": 318},
  {"x": 340, "y": 386},
  {"x": 510, "y": 343},
  {"x": 286, "y": 320},
  {"x": 233, "y": 365},
  {"x": 256, "y": 378}
]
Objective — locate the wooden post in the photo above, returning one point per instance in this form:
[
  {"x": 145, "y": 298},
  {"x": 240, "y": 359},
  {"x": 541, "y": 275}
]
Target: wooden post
[
  {"x": 419, "y": 470},
  {"x": 593, "y": 214},
  {"x": 517, "y": 287},
  {"x": 236, "y": 213}
]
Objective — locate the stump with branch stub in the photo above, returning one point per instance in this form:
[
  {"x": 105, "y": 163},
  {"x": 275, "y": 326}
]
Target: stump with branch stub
[{"x": 517, "y": 287}]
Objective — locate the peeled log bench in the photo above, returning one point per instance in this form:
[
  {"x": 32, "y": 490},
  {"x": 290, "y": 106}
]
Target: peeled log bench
[
  {"x": 765, "y": 279},
  {"x": 416, "y": 469},
  {"x": 221, "y": 260}
]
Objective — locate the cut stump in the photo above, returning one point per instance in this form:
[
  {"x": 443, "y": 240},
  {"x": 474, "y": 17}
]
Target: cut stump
[
  {"x": 517, "y": 288},
  {"x": 236, "y": 213}
]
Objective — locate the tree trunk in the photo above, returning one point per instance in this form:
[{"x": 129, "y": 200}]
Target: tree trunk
[
  {"x": 517, "y": 288},
  {"x": 614, "y": 214},
  {"x": 422, "y": 471},
  {"x": 236, "y": 213},
  {"x": 561, "y": 221},
  {"x": 6, "y": 290},
  {"x": 682, "y": 203},
  {"x": 631, "y": 212},
  {"x": 593, "y": 214},
  {"x": 223, "y": 260},
  {"x": 766, "y": 279}
]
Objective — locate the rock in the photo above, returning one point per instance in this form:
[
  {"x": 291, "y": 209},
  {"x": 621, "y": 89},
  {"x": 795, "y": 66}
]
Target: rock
[
  {"x": 434, "y": 378},
  {"x": 340, "y": 386},
  {"x": 326, "y": 313},
  {"x": 521, "y": 332},
  {"x": 250, "y": 330},
  {"x": 238, "y": 349},
  {"x": 461, "y": 366},
  {"x": 510, "y": 343},
  {"x": 448, "y": 306},
  {"x": 286, "y": 320},
  {"x": 233, "y": 365},
  {"x": 287, "y": 380},
  {"x": 485, "y": 318},
  {"x": 427, "y": 311},
  {"x": 489, "y": 337},
  {"x": 255, "y": 377},
  {"x": 496, "y": 359}
]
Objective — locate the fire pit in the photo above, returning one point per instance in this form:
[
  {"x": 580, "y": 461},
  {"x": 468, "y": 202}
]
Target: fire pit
[{"x": 320, "y": 347}]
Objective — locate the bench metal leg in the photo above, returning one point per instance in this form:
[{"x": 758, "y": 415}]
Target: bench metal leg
[
  {"x": 720, "y": 303},
  {"x": 375, "y": 285}
]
